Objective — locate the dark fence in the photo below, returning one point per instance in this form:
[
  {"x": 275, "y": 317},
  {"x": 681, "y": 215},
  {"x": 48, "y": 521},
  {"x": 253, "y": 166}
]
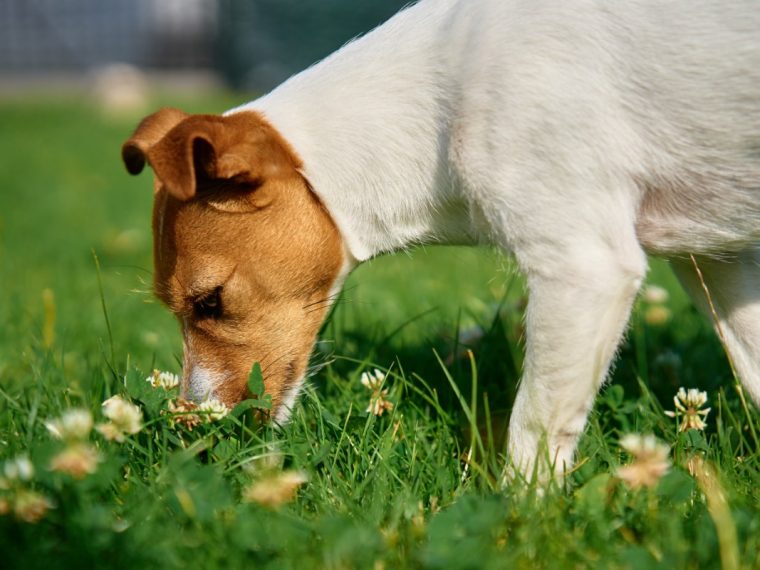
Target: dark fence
[
  {"x": 75, "y": 34},
  {"x": 252, "y": 43}
]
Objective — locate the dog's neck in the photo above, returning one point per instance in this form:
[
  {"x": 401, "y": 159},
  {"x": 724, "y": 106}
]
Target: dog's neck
[{"x": 372, "y": 124}]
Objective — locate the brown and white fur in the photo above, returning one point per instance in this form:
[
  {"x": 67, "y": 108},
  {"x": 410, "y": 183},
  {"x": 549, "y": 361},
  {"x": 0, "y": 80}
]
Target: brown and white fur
[{"x": 577, "y": 135}]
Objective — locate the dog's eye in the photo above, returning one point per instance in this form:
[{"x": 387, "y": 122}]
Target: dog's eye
[{"x": 210, "y": 306}]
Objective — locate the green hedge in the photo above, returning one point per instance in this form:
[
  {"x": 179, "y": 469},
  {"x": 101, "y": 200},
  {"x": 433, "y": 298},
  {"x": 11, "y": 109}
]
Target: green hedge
[{"x": 263, "y": 42}]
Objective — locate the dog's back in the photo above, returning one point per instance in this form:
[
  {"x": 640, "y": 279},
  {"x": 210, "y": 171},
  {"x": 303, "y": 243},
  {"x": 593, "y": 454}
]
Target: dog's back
[
  {"x": 695, "y": 85},
  {"x": 664, "y": 94}
]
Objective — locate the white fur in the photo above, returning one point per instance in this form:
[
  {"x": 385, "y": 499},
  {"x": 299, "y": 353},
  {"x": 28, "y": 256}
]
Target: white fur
[
  {"x": 201, "y": 383},
  {"x": 576, "y": 135},
  {"x": 282, "y": 415}
]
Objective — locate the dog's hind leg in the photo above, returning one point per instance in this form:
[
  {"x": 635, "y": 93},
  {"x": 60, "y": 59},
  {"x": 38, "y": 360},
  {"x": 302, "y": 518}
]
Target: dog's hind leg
[
  {"x": 581, "y": 295},
  {"x": 734, "y": 289}
]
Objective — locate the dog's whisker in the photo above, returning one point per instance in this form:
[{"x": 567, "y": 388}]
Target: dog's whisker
[
  {"x": 336, "y": 298},
  {"x": 265, "y": 368}
]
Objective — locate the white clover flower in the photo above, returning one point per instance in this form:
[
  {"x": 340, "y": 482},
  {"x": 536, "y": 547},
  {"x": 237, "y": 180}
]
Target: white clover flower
[
  {"x": 275, "y": 490},
  {"x": 378, "y": 403},
  {"x": 183, "y": 413},
  {"x": 19, "y": 468},
  {"x": 372, "y": 380},
  {"x": 650, "y": 461},
  {"x": 78, "y": 460},
  {"x": 655, "y": 295},
  {"x": 165, "y": 380},
  {"x": 213, "y": 410},
  {"x": 123, "y": 414},
  {"x": 189, "y": 414},
  {"x": 30, "y": 506},
  {"x": 657, "y": 315},
  {"x": 110, "y": 432},
  {"x": 688, "y": 404},
  {"x": 126, "y": 418},
  {"x": 75, "y": 424}
]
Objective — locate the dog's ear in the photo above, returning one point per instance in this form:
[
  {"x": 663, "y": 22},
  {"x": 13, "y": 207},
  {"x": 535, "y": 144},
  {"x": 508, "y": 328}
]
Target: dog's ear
[
  {"x": 192, "y": 149},
  {"x": 150, "y": 130},
  {"x": 202, "y": 148}
]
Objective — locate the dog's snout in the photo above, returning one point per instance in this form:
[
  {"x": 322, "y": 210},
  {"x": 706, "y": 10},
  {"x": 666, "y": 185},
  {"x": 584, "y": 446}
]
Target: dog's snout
[{"x": 200, "y": 383}]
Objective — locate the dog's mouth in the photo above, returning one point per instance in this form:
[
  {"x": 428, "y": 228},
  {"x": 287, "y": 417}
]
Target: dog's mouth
[{"x": 200, "y": 386}]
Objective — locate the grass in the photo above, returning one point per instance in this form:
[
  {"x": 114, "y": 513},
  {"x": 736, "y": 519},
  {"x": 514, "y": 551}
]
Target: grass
[{"x": 414, "y": 488}]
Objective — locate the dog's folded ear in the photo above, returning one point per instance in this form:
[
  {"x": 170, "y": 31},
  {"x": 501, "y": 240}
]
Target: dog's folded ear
[
  {"x": 186, "y": 149},
  {"x": 150, "y": 130}
]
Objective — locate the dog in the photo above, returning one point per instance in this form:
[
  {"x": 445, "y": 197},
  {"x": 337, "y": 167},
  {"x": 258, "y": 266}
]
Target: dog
[{"x": 578, "y": 136}]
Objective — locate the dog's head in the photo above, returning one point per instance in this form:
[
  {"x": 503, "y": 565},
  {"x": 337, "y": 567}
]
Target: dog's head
[{"x": 245, "y": 255}]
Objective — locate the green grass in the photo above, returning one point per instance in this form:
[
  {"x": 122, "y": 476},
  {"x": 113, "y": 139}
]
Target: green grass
[{"x": 383, "y": 492}]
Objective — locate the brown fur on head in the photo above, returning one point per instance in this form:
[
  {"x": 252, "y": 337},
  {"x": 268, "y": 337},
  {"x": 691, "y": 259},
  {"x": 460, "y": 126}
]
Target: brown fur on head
[{"x": 244, "y": 253}]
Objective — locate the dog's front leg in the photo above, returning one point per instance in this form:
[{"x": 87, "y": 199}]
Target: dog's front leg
[{"x": 577, "y": 313}]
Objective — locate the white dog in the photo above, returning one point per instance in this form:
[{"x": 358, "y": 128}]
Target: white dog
[{"x": 576, "y": 134}]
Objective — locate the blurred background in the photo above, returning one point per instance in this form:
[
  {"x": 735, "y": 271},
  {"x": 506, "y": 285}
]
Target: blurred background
[{"x": 245, "y": 44}]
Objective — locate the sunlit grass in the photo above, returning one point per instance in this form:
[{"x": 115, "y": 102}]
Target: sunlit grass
[{"x": 339, "y": 487}]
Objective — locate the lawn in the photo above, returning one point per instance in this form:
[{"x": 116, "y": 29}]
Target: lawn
[{"x": 416, "y": 487}]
